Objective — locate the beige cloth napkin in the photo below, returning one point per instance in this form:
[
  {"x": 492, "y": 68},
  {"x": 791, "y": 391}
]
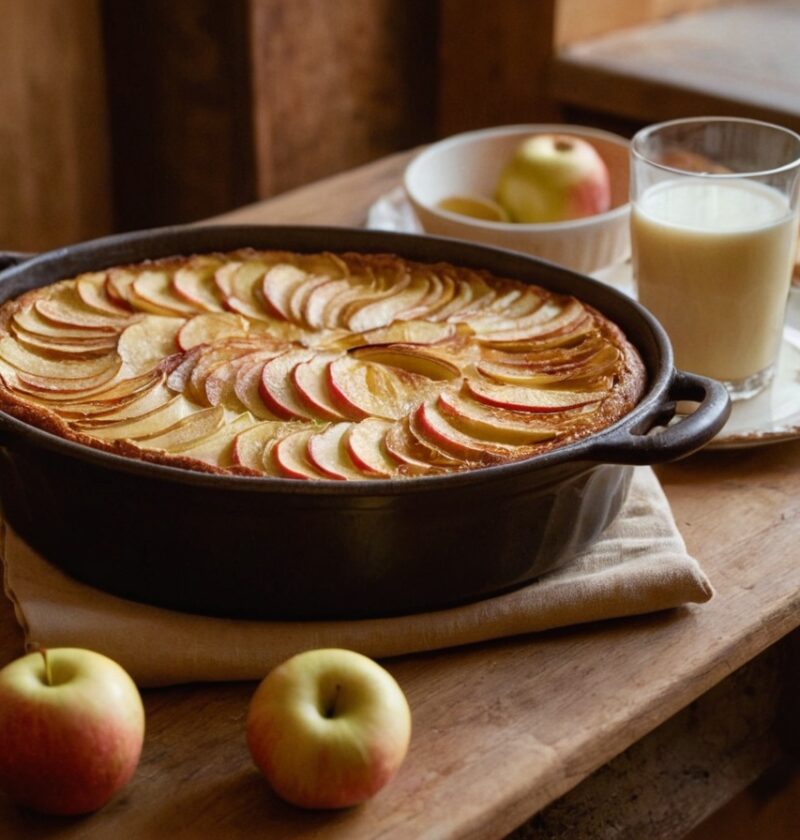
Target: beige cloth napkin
[{"x": 639, "y": 565}]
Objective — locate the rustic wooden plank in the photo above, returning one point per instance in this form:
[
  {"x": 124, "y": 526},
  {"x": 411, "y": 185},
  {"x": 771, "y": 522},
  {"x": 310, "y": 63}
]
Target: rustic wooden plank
[
  {"x": 338, "y": 84},
  {"x": 669, "y": 782},
  {"x": 579, "y": 20},
  {"x": 501, "y": 729},
  {"x": 53, "y": 145},
  {"x": 493, "y": 62},
  {"x": 180, "y": 109},
  {"x": 739, "y": 60}
]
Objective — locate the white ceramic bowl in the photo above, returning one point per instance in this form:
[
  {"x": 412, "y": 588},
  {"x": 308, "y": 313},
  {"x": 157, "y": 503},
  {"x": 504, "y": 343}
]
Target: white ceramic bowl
[{"x": 470, "y": 164}]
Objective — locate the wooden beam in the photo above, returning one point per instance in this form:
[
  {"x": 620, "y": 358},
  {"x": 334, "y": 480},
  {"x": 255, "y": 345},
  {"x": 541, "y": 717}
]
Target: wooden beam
[
  {"x": 179, "y": 81},
  {"x": 53, "y": 143},
  {"x": 494, "y": 61},
  {"x": 338, "y": 84}
]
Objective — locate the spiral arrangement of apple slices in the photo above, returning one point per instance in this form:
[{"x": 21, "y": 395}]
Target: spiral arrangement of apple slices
[{"x": 320, "y": 366}]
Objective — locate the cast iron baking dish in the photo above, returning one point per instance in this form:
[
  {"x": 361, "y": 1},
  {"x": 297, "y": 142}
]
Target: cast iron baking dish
[{"x": 283, "y": 549}]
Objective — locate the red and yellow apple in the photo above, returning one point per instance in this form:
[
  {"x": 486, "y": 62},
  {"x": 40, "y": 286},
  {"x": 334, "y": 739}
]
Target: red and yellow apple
[
  {"x": 71, "y": 730},
  {"x": 554, "y": 178},
  {"x": 328, "y": 728}
]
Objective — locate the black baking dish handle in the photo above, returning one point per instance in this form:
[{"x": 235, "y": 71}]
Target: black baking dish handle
[
  {"x": 12, "y": 258},
  {"x": 649, "y": 440}
]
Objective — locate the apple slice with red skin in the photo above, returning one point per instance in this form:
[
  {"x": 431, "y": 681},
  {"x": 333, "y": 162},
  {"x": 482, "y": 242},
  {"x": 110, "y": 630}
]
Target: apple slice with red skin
[
  {"x": 47, "y": 347},
  {"x": 491, "y": 423},
  {"x": 482, "y": 295},
  {"x": 146, "y": 343},
  {"x": 317, "y": 300},
  {"x": 187, "y": 432},
  {"x": 126, "y": 394},
  {"x": 408, "y": 332},
  {"x": 363, "y": 389},
  {"x": 364, "y": 442},
  {"x": 118, "y": 285},
  {"x": 91, "y": 290},
  {"x": 194, "y": 283},
  {"x": 29, "y": 362},
  {"x": 413, "y": 456},
  {"x": 432, "y": 426},
  {"x": 210, "y": 327},
  {"x": 524, "y": 305},
  {"x": 387, "y": 308},
  {"x": 290, "y": 455},
  {"x": 249, "y": 445},
  {"x": 157, "y": 420},
  {"x": 144, "y": 403},
  {"x": 29, "y": 320},
  {"x": 531, "y": 399},
  {"x": 300, "y": 295},
  {"x": 152, "y": 292},
  {"x": 566, "y": 320},
  {"x": 548, "y": 358},
  {"x": 245, "y": 291},
  {"x": 461, "y": 299},
  {"x": 277, "y": 390},
  {"x": 66, "y": 309},
  {"x": 596, "y": 369},
  {"x": 569, "y": 337},
  {"x": 219, "y": 387},
  {"x": 279, "y": 284},
  {"x": 328, "y": 454},
  {"x": 247, "y": 386},
  {"x": 212, "y": 358},
  {"x": 311, "y": 386},
  {"x": 217, "y": 449},
  {"x": 410, "y": 358}
]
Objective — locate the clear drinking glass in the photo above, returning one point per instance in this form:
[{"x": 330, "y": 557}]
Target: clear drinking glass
[{"x": 714, "y": 228}]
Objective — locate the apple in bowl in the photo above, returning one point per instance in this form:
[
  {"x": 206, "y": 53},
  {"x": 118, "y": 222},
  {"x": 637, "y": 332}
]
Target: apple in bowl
[
  {"x": 328, "y": 728},
  {"x": 554, "y": 178},
  {"x": 71, "y": 730}
]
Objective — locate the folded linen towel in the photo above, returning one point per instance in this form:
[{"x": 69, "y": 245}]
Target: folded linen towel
[{"x": 639, "y": 565}]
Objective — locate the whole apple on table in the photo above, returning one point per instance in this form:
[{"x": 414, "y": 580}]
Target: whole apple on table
[
  {"x": 71, "y": 730},
  {"x": 328, "y": 728}
]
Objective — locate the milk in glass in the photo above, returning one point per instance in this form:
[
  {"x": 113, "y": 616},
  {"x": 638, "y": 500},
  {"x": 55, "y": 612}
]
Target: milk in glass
[{"x": 713, "y": 262}]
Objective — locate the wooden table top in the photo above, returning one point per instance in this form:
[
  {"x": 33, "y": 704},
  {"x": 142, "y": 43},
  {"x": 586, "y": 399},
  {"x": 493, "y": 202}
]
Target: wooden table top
[{"x": 500, "y": 729}]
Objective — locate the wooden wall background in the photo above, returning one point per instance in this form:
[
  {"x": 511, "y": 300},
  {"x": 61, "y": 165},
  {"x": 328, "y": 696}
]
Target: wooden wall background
[{"x": 125, "y": 114}]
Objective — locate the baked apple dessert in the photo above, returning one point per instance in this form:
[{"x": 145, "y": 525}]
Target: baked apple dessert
[{"x": 320, "y": 366}]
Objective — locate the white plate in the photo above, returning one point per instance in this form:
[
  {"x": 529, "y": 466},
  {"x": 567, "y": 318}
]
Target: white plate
[{"x": 770, "y": 417}]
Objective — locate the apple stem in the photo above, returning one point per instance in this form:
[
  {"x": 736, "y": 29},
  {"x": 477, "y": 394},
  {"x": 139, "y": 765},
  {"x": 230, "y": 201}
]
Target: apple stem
[
  {"x": 48, "y": 674},
  {"x": 331, "y": 710}
]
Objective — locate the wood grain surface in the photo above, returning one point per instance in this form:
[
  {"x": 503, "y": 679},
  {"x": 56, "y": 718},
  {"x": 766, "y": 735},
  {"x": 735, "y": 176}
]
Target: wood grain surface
[
  {"x": 54, "y": 154},
  {"x": 500, "y": 729}
]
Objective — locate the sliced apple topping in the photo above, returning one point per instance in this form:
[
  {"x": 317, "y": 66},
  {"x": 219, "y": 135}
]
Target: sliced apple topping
[
  {"x": 313, "y": 366},
  {"x": 194, "y": 283},
  {"x": 531, "y": 399},
  {"x": 210, "y": 327},
  {"x": 144, "y": 344},
  {"x": 187, "y": 432},
  {"x": 277, "y": 389},
  {"x": 364, "y": 389},
  {"x": 328, "y": 454},
  {"x": 492, "y": 423},
  {"x": 290, "y": 455},
  {"x": 365, "y": 443},
  {"x": 410, "y": 358},
  {"x": 433, "y": 428}
]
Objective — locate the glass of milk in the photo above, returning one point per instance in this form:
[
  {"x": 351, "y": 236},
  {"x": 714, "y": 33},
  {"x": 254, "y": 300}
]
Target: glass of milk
[{"x": 714, "y": 228}]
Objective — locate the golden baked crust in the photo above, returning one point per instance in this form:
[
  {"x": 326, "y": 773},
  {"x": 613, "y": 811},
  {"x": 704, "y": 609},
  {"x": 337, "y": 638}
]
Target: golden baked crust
[{"x": 311, "y": 366}]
